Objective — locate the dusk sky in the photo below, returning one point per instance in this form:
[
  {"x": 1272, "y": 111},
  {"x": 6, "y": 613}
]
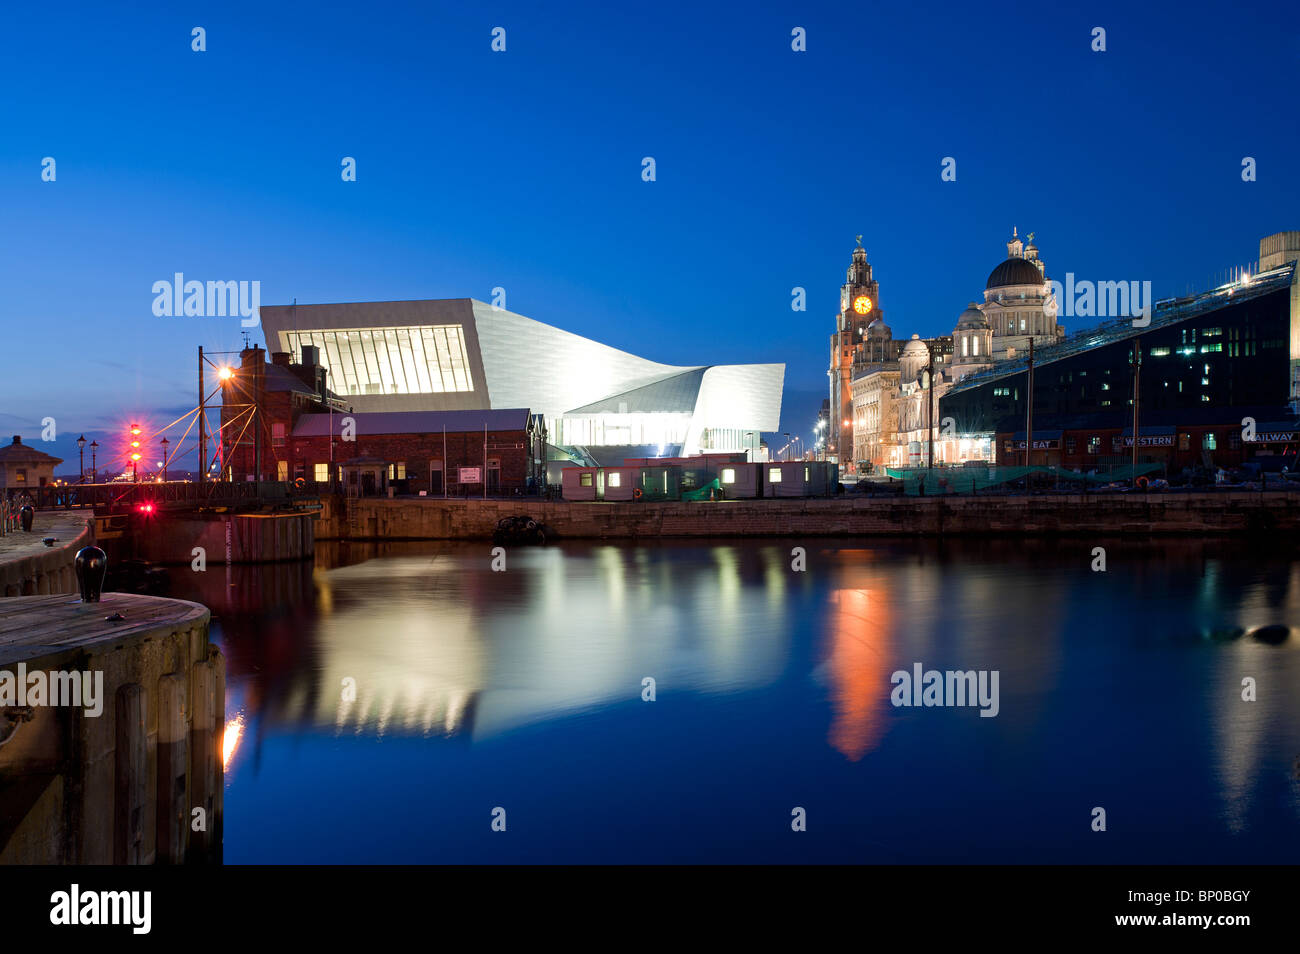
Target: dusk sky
[{"x": 522, "y": 169}]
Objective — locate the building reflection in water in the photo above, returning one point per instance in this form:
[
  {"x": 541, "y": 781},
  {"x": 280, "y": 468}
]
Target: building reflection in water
[
  {"x": 433, "y": 643},
  {"x": 427, "y": 640}
]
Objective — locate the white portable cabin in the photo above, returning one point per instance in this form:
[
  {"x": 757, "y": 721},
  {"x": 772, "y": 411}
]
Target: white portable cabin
[
  {"x": 619, "y": 483},
  {"x": 579, "y": 483},
  {"x": 741, "y": 480},
  {"x": 798, "y": 478}
]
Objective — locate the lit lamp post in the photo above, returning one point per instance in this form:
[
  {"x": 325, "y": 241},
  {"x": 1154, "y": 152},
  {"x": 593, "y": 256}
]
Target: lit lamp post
[
  {"x": 164, "y": 460},
  {"x": 135, "y": 453},
  {"x": 81, "y": 457},
  {"x": 94, "y": 446}
]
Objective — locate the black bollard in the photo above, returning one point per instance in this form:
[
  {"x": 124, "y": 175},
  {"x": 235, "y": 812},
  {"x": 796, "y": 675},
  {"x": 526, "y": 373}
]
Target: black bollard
[
  {"x": 28, "y": 515},
  {"x": 92, "y": 565}
]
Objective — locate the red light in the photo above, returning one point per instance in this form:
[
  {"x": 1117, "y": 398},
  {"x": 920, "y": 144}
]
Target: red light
[{"x": 144, "y": 507}]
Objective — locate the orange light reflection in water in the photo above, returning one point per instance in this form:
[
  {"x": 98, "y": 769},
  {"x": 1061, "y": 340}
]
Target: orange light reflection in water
[
  {"x": 857, "y": 664},
  {"x": 230, "y": 739}
]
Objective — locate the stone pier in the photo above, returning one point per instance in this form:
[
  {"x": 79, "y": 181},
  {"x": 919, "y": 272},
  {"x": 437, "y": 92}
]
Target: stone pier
[
  {"x": 133, "y": 773},
  {"x": 29, "y": 568}
]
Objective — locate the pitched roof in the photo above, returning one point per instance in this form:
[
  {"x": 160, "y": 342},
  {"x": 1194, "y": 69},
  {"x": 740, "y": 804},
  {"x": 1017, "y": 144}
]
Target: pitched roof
[
  {"x": 20, "y": 453},
  {"x": 279, "y": 378}
]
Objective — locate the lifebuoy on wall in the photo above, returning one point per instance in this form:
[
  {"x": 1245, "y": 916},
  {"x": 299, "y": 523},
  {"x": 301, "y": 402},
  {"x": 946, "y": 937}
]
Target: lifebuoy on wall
[
  {"x": 300, "y": 483},
  {"x": 636, "y": 493},
  {"x": 1142, "y": 483}
]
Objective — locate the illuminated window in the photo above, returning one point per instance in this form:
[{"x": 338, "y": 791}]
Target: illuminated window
[
  {"x": 615, "y": 479},
  {"x": 806, "y": 477},
  {"x": 584, "y": 480},
  {"x": 322, "y": 473},
  {"x": 277, "y": 434},
  {"x": 774, "y": 475},
  {"x": 412, "y": 360},
  {"x": 1094, "y": 445},
  {"x": 1159, "y": 352},
  {"x": 282, "y": 470},
  {"x": 1208, "y": 441},
  {"x": 728, "y": 475}
]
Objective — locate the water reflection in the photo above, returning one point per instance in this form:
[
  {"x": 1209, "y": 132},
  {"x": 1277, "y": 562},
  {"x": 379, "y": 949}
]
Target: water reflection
[{"x": 1114, "y": 687}]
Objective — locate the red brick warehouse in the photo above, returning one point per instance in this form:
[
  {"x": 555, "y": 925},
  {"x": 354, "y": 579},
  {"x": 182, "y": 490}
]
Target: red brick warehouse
[{"x": 281, "y": 422}]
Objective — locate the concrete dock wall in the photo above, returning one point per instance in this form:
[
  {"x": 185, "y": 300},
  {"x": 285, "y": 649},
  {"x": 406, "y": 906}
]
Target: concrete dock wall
[
  {"x": 170, "y": 538},
  {"x": 1111, "y": 514},
  {"x": 29, "y": 568},
  {"x": 120, "y": 787}
]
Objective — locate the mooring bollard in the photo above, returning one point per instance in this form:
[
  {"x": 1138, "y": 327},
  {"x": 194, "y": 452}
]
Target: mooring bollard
[
  {"x": 92, "y": 565},
  {"x": 29, "y": 514}
]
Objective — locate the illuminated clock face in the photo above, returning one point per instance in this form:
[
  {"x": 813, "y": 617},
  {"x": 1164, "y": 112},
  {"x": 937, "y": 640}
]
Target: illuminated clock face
[{"x": 862, "y": 304}]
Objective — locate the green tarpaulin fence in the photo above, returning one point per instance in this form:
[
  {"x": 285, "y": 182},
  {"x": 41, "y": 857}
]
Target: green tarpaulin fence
[
  {"x": 705, "y": 492},
  {"x": 969, "y": 480}
]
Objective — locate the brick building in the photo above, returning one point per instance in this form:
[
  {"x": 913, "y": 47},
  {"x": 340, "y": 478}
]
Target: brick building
[
  {"x": 281, "y": 422},
  {"x": 1209, "y": 438}
]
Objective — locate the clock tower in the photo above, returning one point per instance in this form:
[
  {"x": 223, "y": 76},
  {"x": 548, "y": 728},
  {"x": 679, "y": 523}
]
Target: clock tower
[{"x": 861, "y": 336}]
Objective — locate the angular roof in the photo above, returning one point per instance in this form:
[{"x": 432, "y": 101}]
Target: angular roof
[
  {"x": 1170, "y": 311},
  {"x": 676, "y": 393},
  {"x": 512, "y": 361},
  {"x": 414, "y": 422},
  {"x": 20, "y": 453}
]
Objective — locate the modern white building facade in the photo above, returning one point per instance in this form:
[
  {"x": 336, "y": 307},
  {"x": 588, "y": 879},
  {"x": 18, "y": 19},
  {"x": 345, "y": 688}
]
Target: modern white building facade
[{"x": 600, "y": 404}]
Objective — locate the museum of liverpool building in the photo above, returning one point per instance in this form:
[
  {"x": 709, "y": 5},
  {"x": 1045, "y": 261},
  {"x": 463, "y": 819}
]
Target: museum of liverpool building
[{"x": 413, "y": 368}]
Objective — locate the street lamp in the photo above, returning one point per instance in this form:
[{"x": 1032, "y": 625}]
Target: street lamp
[
  {"x": 94, "y": 446},
  {"x": 81, "y": 457},
  {"x": 164, "y": 460}
]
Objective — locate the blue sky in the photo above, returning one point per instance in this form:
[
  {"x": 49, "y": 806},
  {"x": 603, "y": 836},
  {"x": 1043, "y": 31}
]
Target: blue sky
[{"x": 522, "y": 170}]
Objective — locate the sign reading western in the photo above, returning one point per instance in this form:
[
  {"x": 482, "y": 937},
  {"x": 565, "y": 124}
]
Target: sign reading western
[{"x": 1162, "y": 440}]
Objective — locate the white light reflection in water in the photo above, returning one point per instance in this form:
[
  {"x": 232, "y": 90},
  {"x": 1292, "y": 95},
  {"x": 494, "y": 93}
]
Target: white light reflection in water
[{"x": 450, "y": 646}]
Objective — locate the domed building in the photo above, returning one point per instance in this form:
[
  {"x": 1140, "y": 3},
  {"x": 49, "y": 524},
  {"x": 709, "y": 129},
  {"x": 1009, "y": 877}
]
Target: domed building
[
  {"x": 1018, "y": 303},
  {"x": 972, "y": 342},
  {"x": 912, "y": 361}
]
